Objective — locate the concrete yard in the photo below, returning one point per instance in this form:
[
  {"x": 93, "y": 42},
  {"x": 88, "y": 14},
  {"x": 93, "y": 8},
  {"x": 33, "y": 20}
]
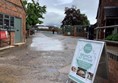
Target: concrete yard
[{"x": 45, "y": 58}]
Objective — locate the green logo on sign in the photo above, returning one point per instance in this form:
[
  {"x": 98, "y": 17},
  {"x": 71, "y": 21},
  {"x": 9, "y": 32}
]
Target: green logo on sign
[
  {"x": 87, "y": 48},
  {"x": 83, "y": 64}
]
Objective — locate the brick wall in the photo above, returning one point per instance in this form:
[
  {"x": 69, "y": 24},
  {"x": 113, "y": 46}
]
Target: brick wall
[
  {"x": 113, "y": 65},
  {"x": 17, "y": 2},
  {"x": 14, "y": 9},
  {"x": 113, "y": 71}
]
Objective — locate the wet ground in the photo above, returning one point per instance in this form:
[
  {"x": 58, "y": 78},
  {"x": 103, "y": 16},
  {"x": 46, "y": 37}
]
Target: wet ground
[{"x": 45, "y": 58}]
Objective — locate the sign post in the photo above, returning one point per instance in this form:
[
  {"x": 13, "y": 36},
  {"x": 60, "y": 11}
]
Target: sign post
[{"x": 89, "y": 62}]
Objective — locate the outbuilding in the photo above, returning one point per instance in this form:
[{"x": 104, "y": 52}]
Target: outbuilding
[
  {"x": 107, "y": 15},
  {"x": 12, "y": 22}
]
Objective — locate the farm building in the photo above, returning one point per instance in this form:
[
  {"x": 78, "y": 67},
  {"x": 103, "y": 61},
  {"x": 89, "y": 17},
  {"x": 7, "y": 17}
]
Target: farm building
[
  {"x": 12, "y": 22},
  {"x": 107, "y": 15}
]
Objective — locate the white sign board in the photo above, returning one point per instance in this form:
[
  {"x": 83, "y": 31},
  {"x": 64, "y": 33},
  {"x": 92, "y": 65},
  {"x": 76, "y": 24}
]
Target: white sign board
[{"x": 85, "y": 62}]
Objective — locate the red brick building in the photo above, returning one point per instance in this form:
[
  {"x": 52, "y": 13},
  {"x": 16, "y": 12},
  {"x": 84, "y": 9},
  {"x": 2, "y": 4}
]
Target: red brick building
[
  {"x": 107, "y": 10},
  {"x": 107, "y": 15},
  {"x": 12, "y": 20}
]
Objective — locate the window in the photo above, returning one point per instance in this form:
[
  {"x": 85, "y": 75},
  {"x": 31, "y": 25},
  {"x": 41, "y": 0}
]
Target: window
[{"x": 6, "y": 21}]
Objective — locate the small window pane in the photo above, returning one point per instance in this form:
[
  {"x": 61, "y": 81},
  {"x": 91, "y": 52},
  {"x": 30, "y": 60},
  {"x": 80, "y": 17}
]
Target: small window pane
[
  {"x": 12, "y": 21},
  {"x": 1, "y": 22},
  {"x": 6, "y": 16},
  {"x": 1, "y": 16},
  {"x": 1, "y": 19},
  {"x": 6, "y": 23}
]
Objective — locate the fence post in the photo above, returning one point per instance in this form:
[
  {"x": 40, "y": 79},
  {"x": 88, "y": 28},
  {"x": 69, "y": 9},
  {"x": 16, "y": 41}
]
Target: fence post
[{"x": 97, "y": 33}]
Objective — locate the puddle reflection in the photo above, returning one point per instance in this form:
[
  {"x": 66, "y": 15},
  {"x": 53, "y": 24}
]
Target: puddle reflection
[{"x": 44, "y": 43}]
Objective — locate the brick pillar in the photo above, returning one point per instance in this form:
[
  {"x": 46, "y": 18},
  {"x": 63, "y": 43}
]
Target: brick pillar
[
  {"x": 101, "y": 33},
  {"x": 12, "y": 36}
]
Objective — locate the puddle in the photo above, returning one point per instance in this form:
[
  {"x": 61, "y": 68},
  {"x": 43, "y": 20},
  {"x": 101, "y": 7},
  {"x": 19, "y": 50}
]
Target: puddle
[{"x": 44, "y": 43}]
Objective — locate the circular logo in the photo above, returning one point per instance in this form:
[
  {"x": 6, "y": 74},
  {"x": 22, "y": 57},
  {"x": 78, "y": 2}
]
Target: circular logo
[{"x": 87, "y": 48}]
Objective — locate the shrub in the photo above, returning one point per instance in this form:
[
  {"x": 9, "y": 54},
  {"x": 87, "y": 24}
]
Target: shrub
[
  {"x": 109, "y": 37},
  {"x": 113, "y": 37}
]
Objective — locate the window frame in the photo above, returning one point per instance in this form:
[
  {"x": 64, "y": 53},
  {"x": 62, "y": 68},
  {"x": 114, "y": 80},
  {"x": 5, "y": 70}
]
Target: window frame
[
  {"x": 9, "y": 26},
  {"x": 11, "y": 17}
]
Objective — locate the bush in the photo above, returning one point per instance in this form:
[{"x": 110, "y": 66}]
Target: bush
[
  {"x": 113, "y": 37},
  {"x": 109, "y": 37}
]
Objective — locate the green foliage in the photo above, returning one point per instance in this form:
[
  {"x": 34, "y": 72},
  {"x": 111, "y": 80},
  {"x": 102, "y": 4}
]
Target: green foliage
[
  {"x": 34, "y": 12},
  {"x": 113, "y": 37},
  {"x": 74, "y": 17},
  {"x": 24, "y": 3},
  {"x": 109, "y": 37},
  {"x": 84, "y": 20}
]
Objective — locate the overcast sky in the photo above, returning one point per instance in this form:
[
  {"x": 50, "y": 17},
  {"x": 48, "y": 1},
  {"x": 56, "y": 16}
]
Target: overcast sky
[{"x": 55, "y": 9}]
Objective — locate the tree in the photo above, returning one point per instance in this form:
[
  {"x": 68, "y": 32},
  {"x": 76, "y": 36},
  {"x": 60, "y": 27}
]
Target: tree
[
  {"x": 34, "y": 12},
  {"x": 74, "y": 17},
  {"x": 84, "y": 20}
]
